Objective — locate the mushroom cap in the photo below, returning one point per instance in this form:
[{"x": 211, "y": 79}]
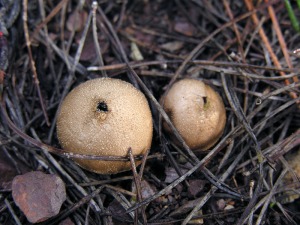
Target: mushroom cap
[
  {"x": 197, "y": 112},
  {"x": 105, "y": 117}
]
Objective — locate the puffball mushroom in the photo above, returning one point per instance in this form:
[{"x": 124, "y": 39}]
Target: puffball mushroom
[
  {"x": 291, "y": 194},
  {"x": 105, "y": 117},
  {"x": 197, "y": 112}
]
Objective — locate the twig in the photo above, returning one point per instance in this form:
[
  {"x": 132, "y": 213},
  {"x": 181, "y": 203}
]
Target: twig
[
  {"x": 199, "y": 165},
  {"x": 32, "y": 63},
  {"x": 123, "y": 66},
  {"x": 46, "y": 20},
  {"x": 281, "y": 39},
  {"x": 124, "y": 202},
  {"x": 214, "y": 181},
  {"x": 205, "y": 198},
  {"x": 18, "y": 222},
  {"x": 54, "y": 150},
  {"x": 64, "y": 214},
  {"x": 137, "y": 188},
  {"x": 234, "y": 103},
  {"x": 235, "y": 28},
  {"x": 95, "y": 36},
  {"x": 265, "y": 40},
  {"x": 118, "y": 43}
]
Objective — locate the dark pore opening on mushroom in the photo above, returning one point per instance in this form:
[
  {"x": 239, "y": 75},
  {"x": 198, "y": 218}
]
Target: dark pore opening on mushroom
[
  {"x": 204, "y": 99},
  {"x": 102, "y": 107}
]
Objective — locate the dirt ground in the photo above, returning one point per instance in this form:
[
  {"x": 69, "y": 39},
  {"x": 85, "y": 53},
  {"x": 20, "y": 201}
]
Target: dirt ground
[{"x": 245, "y": 50}]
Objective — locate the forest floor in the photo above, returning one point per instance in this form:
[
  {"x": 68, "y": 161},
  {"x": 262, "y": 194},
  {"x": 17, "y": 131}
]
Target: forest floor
[{"x": 245, "y": 50}]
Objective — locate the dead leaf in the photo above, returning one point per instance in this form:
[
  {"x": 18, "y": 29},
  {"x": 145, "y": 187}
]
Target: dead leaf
[
  {"x": 196, "y": 187},
  {"x": 172, "y": 175},
  {"x": 185, "y": 28},
  {"x": 77, "y": 20},
  {"x": 117, "y": 210},
  {"x": 89, "y": 53}
]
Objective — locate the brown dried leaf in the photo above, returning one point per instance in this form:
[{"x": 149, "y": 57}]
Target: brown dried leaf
[
  {"x": 147, "y": 189},
  {"x": 89, "y": 53},
  {"x": 196, "y": 186},
  {"x": 185, "y": 28},
  {"x": 117, "y": 210},
  {"x": 77, "y": 20},
  {"x": 172, "y": 175}
]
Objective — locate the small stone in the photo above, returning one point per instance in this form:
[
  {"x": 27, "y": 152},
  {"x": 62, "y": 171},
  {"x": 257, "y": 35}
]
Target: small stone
[
  {"x": 38, "y": 195},
  {"x": 197, "y": 221},
  {"x": 221, "y": 204},
  {"x": 228, "y": 207}
]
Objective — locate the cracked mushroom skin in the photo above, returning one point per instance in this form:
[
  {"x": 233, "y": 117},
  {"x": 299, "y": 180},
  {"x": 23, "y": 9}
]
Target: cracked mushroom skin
[
  {"x": 105, "y": 117},
  {"x": 197, "y": 112}
]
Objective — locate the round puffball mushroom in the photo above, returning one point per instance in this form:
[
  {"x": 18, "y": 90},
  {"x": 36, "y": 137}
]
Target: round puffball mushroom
[
  {"x": 197, "y": 112},
  {"x": 289, "y": 196},
  {"x": 105, "y": 117}
]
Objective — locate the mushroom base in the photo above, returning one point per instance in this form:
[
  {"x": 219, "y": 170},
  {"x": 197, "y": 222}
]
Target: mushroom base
[{"x": 105, "y": 167}]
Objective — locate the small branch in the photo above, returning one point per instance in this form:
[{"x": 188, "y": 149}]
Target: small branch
[
  {"x": 32, "y": 62},
  {"x": 266, "y": 41}
]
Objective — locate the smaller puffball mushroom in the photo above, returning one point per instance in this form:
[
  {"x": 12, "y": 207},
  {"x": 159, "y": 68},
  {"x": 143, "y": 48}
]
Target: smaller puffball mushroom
[
  {"x": 290, "y": 179},
  {"x": 197, "y": 112},
  {"x": 105, "y": 117}
]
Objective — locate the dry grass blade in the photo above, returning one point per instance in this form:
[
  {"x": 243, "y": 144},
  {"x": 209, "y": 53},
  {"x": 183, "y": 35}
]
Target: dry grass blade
[{"x": 75, "y": 206}]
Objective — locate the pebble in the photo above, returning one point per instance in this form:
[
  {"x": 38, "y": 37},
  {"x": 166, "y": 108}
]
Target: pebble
[{"x": 38, "y": 195}]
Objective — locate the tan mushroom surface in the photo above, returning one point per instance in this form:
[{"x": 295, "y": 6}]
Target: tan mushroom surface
[
  {"x": 105, "y": 117},
  {"x": 290, "y": 181},
  {"x": 197, "y": 112}
]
